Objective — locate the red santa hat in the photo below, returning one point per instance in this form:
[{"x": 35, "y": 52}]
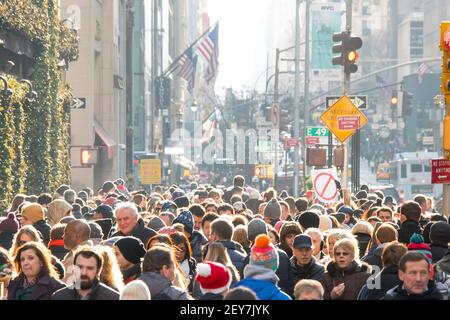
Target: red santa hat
[{"x": 213, "y": 277}]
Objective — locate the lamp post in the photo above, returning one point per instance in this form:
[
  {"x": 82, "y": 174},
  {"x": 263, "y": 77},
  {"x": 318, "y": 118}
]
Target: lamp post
[{"x": 31, "y": 95}]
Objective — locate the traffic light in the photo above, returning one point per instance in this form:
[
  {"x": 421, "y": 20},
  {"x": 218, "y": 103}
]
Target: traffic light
[
  {"x": 445, "y": 48},
  {"x": 347, "y": 48},
  {"x": 394, "y": 100},
  {"x": 88, "y": 157},
  {"x": 407, "y": 103}
]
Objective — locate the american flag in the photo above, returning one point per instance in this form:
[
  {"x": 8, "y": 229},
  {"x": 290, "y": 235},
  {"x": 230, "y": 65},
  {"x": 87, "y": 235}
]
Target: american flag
[
  {"x": 188, "y": 68},
  {"x": 423, "y": 68},
  {"x": 209, "y": 48}
]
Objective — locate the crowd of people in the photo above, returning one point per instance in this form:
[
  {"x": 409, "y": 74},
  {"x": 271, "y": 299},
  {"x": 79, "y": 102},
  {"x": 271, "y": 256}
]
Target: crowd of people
[{"x": 236, "y": 243}]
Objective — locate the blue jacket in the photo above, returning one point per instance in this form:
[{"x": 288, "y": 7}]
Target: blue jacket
[{"x": 263, "y": 282}]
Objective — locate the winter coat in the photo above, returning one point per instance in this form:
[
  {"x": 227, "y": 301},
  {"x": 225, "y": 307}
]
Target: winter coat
[
  {"x": 44, "y": 228},
  {"x": 42, "y": 290},
  {"x": 236, "y": 253},
  {"x": 6, "y": 239},
  {"x": 373, "y": 258},
  {"x": 438, "y": 252},
  {"x": 354, "y": 278},
  {"x": 106, "y": 225},
  {"x": 399, "y": 293},
  {"x": 211, "y": 296},
  {"x": 197, "y": 241},
  {"x": 407, "y": 229},
  {"x": 286, "y": 249},
  {"x": 160, "y": 286},
  {"x": 132, "y": 273},
  {"x": 387, "y": 279},
  {"x": 140, "y": 231},
  {"x": 263, "y": 282},
  {"x": 284, "y": 272},
  {"x": 313, "y": 270},
  {"x": 363, "y": 242},
  {"x": 57, "y": 249},
  {"x": 100, "y": 291}
]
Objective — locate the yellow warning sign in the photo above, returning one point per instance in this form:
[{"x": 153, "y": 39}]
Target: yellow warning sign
[
  {"x": 150, "y": 171},
  {"x": 343, "y": 119}
]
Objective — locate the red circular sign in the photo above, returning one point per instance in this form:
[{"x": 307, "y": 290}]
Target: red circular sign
[{"x": 324, "y": 187}]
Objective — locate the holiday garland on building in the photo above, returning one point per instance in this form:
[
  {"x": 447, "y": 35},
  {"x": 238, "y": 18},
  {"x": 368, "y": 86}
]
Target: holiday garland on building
[{"x": 34, "y": 136}]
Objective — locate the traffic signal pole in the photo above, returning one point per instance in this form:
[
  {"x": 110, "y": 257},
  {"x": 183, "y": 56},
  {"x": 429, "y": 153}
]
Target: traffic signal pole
[
  {"x": 297, "y": 96},
  {"x": 446, "y": 187},
  {"x": 347, "y": 83}
]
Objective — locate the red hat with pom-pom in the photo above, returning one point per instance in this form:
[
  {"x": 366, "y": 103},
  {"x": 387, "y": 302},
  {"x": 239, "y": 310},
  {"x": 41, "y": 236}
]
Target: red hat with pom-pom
[
  {"x": 213, "y": 277},
  {"x": 264, "y": 253}
]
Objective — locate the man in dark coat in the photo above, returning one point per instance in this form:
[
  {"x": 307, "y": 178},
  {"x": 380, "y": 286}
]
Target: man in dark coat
[
  {"x": 410, "y": 215},
  {"x": 130, "y": 224},
  {"x": 88, "y": 286},
  {"x": 303, "y": 264},
  {"x": 104, "y": 217},
  {"x": 414, "y": 270},
  {"x": 440, "y": 238}
]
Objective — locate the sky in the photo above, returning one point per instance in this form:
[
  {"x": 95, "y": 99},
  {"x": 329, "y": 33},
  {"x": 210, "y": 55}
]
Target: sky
[{"x": 243, "y": 42}]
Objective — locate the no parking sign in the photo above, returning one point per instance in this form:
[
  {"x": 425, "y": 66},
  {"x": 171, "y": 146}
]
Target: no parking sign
[{"x": 324, "y": 184}]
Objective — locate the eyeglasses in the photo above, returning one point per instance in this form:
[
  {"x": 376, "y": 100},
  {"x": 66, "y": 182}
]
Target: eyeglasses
[
  {"x": 344, "y": 254},
  {"x": 22, "y": 242}
]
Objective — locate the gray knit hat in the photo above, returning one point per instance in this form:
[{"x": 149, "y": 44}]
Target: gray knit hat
[
  {"x": 255, "y": 228},
  {"x": 156, "y": 223},
  {"x": 273, "y": 210}
]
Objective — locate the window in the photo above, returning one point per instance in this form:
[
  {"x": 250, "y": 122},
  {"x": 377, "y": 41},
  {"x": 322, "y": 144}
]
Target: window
[
  {"x": 427, "y": 168},
  {"x": 416, "y": 168},
  {"x": 403, "y": 173}
]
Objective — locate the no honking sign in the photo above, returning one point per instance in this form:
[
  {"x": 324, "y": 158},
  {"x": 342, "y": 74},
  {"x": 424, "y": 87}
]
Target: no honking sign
[{"x": 324, "y": 184}]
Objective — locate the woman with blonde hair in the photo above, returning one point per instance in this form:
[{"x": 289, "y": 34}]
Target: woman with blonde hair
[
  {"x": 56, "y": 210},
  {"x": 135, "y": 290},
  {"x": 240, "y": 235},
  {"x": 332, "y": 236},
  {"x": 218, "y": 253},
  {"x": 37, "y": 278},
  {"x": 110, "y": 274},
  {"x": 345, "y": 275}
]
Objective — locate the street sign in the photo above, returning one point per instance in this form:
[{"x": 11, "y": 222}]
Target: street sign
[
  {"x": 316, "y": 135},
  {"x": 324, "y": 183},
  {"x": 359, "y": 101},
  {"x": 80, "y": 103},
  {"x": 150, "y": 171},
  {"x": 290, "y": 143},
  {"x": 348, "y": 123},
  {"x": 343, "y": 108},
  {"x": 440, "y": 173},
  {"x": 162, "y": 93}
]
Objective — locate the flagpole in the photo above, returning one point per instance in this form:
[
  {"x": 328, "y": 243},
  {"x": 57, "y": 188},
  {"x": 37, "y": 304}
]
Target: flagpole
[{"x": 174, "y": 64}]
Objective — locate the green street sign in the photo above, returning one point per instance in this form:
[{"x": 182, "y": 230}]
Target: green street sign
[{"x": 317, "y": 132}]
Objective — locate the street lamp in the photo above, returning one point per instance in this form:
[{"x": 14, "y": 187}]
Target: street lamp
[
  {"x": 31, "y": 95},
  {"x": 194, "y": 106}
]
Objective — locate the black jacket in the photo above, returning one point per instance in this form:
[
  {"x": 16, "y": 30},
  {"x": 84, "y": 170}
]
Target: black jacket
[
  {"x": 197, "y": 241},
  {"x": 286, "y": 249},
  {"x": 6, "y": 238},
  {"x": 438, "y": 252},
  {"x": 398, "y": 293},
  {"x": 106, "y": 225},
  {"x": 44, "y": 228},
  {"x": 374, "y": 258},
  {"x": 99, "y": 292},
  {"x": 407, "y": 229},
  {"x": 313, "y": 270},
  {"x": 363, "y": 242},
  {"x": 132, "y": 273},
  {"x": 59, "y": 252},
  {"x": 388, "y": 279},
  {"x": 140, "y": 232}
]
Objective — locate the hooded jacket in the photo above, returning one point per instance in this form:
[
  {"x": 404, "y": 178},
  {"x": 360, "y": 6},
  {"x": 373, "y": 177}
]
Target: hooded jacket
[
  {"x": 354, "y": 278},
  {"x": 399, "y": 293},
  {"x": 263, "y": 282},
  {"x": 158, "y": 284}
]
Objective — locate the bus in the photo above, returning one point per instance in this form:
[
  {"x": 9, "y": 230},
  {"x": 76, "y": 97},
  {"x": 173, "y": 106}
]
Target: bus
[{"x": 410, "y": 172}]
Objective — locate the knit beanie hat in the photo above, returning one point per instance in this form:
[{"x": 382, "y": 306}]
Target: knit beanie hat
[
  {"x": 156, "y": 223},
  {"x": 416, "y": 243},
  {"x": 440, "y": 233},
  {"x": 186, "y": 219},
  {"x": 308, "y": 219},
  {"x": 256, "y": 227},
  {"x": 177, "y": 193},
  {"x": 10, "y": 223},
  {"x": 131, "y": 248},
  {"x": 426, "y": 232},
  {"x": 33, "y": 212},
  {"x": 264, "y": 254},
  {"x": 273, "y": 210},
  {"x": 213, "y": 277}
]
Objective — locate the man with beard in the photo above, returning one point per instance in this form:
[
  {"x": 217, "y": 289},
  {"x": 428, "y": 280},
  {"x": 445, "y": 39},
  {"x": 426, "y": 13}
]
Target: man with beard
[{"x": 88, "y": 265}]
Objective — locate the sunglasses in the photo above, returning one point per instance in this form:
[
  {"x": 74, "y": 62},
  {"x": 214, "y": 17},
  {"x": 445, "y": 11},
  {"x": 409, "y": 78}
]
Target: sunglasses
[
  {"x": 21, "y": 242},
  {"x": 344, "y": 254}
]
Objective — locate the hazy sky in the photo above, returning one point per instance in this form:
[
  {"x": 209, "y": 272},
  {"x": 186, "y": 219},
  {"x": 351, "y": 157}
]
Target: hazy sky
[{"x": 243, "y": 41}]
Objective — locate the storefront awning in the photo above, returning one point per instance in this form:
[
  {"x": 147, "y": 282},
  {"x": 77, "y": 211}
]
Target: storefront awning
[{"x": 107, "y": 140}]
